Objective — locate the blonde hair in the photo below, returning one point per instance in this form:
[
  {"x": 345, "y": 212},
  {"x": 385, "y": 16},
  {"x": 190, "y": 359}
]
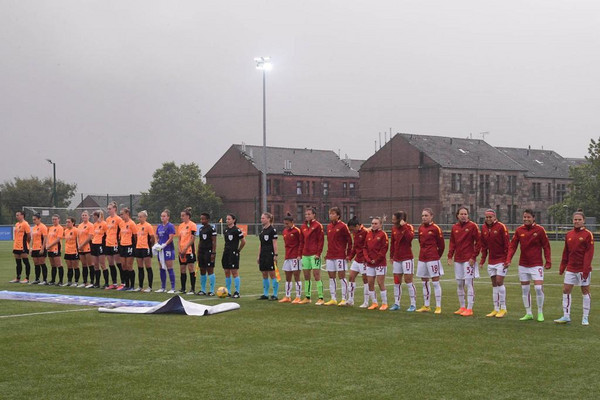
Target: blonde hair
[{"x": 143, "y": 213}]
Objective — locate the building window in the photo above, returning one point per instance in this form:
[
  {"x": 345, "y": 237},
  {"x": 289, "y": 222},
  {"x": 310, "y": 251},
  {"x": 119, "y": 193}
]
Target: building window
[
  {"x": 268, "y": 187},
  {"x": 484, "y": 190},
  {"x": 512, "y": 184},
  {"x": 299, "y": 214},
  {"x": 538, "y": 216},
  {"x": 537, "y": 190},
  {"x": 345, "y": 213},
  {"x": 307, "y": 188},
  {"x": 512, "y": 214},
  {"x": 457, "y": 183},
  {"x": 278, "y": 214},
  {"x": 314, "y": 187},
  {"x": 471, "y": 183},
  {"x": 352, "y": 212},
  {"x": 325, "y": 188},
  {"x": 298, "y": 187},
  {"x": 326, "y": 211},
  {"x": 276, "y": 187},
  {"x": 561, "y": 191},
  {"x": 498, "y": 191},
  {"x": 352, "y": 187},
  {"x": 345, "y": 189}
]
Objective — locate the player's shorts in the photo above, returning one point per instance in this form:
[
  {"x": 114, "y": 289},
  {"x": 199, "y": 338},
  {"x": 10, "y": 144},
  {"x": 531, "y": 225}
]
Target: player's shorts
[
  {"x": 291, "y": 265},
  {"x": 71, "y": 257},
  {"x": 376, "y": 271},
  {"x": 429, "y": 269},
  {"x": 19, "y": 252},
  {"x": 230, "y": 260},
  {"x": 266, "y": 262},
  {"x": 169, "y": 254},
  {"x": 404, "y": 267},
  {"x": 185, "y": 259},
  {"x": 204, "y": 259},
  {"x": 358, "y": 267},
  {"x": 38, "y": 253},
  {"x": 126, "y": 251},
  {"x": 97, "y": 250},
  {"x": 497, "y": 269},
  {"x": 111, "y": 250},
  {"x": 52, "y": 254},
  {"x": 336, "y": 265},
  {"x": 310, "y": 262},
  {"x": 465, "y": 271},
  {"x": 143, "y": 253},
  {"x": 531, "y": 273},
  {"x": 576, "y": 279},
  {"x": 84, "y": 253}
]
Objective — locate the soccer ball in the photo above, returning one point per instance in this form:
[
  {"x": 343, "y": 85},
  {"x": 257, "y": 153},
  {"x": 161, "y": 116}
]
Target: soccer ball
[{"x": 222, "y": 292}]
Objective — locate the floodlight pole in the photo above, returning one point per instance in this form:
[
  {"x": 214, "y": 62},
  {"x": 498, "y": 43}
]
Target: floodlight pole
[
  {"x": 54, "y": 182},
  {"x": 264, "y": 63}
]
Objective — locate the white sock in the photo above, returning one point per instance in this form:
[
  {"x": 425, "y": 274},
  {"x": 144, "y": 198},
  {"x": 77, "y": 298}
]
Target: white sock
[
  {"x": 366, "y": 293},
  {"x": 288, "y": 288},
  {"x": 539, "y": 295},
  {"x": 495, "y": 297},
  {"x": 344, "y": 283},
  {"x": 426, "y": 293},
  {"x": 351, "y": 296},
  {"x": 526, "y": 298},
  {"x": 332, "y": 288},
  {"x": 502, "y": 297},
  {"x": 397, "y": 293},
  {"x": 384, "y": 296},
  {"x": 412, "y": 294},
  {"x": 437, "y": 289},
  {"x": 299, "y": 289},
  {"x": 567, "y": 305},
  {"x": 587, "y": 303},
  {"x": 470, "y": 293},
  {"x": 372, "y": 296},
  {"x": 460, "y": 290}
]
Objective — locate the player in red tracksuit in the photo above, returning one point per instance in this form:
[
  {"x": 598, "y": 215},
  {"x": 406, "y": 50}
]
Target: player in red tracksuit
[
  {"x": 375, "y": 250},
  {"x": 533, "y": 239},
  {"x": 339, "y": 247},
  {"x": 314, "y": 239},
  {"x": 359, "y": 233},
  {"x": 577, "y": 262},
  {"x": 402, "y": 256},
  {"x": 464, "y": 248},
  {"x": 431, "y": 240},
  {"x": 495, "y": 243},
  {"x": 294, "y": 241}
]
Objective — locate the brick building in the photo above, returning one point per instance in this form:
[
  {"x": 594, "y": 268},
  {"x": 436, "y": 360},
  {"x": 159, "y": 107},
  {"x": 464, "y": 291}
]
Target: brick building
[{"x": 296, "y": 179}]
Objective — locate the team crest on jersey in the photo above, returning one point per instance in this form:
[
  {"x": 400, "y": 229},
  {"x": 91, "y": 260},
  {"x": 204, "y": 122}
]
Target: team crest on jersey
[
  {"x": 266, "y": 237},
  {"x": 467, "y": 230},
  {"x": 204, "y": 236},
  {"x": 337, "y": 230},
  {"x": 495, "y": 232},
  {"x": 429, "y": 233},
  {"x": 581, "y": 239},
  {"x": 378, "y": 238},
  {"x": 230, "y": 237},
  {"x": 535, "y": 234},
  {"x": 522, "y": 235}
]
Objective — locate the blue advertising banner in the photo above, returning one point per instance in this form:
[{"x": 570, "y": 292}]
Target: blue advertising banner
[{"x": 6, "y": 232}]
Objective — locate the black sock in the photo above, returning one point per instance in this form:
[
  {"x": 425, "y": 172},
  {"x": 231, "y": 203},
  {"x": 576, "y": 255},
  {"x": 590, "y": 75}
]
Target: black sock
[
  {"x": 141, "y": 277},
  {"x": 193, "y": 281},
  {"x": 61, "y": 274},
  {"x": 150, "y": 277},
  {"x": 70, "y": 275},
  {"x": 92, "y": 274},
  {"x": 19, "y": 268},
  {"x": 38, "y": 270},
  {"x": 113, "y": 273},
  {"x": 121, "y": 275},
  {"x": 77, "y": 275},
  {"x": 54, "y": 270},
  {"x": 183, "y": 279},
  {"x": 127, "y": 278},
  {"x": 27, "y": 268},
  {"x": 105, "y": 275},
  {"x": 85, "y": 274},
  {"x": 44, "y": 272},
  {"x": 131, "y": 278},
  {"x": 97, "y": 275}
]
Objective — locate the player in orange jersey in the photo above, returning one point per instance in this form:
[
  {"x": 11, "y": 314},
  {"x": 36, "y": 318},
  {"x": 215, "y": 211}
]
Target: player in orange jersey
[
  {"x": 71, "y": 254},
  {"x": 39, "y": 234},
  {"x": 187, "y": 250},
  {"x": 112, "y": 245},
  {"x": 127, "y": 231},
  {"x": 21, "y": 247},
  {"x": 143, "y": 252},
  {"x": 55, "y": 234},
  {"x": 97, "y": 249},
  {"x": 84, "y": 239}
]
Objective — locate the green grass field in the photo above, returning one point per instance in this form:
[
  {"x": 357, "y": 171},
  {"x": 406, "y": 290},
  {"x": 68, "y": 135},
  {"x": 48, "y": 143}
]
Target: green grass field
[{"x": 280, "y": 351}]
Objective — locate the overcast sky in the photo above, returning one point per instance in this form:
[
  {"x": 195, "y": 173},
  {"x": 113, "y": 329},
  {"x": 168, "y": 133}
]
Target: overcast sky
[{"x": 110, "y": 90}]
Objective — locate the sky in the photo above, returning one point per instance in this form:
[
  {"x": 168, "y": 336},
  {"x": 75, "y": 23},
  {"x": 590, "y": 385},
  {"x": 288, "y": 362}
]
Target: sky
[{"x": 109, "y": 90}]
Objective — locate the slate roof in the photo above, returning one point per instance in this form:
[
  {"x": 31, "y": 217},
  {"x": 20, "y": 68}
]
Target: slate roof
[{"x": 540, "y": 163}]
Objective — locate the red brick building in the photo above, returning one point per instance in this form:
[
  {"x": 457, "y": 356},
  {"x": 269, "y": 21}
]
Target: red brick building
[{"x": 296, "y": 179}]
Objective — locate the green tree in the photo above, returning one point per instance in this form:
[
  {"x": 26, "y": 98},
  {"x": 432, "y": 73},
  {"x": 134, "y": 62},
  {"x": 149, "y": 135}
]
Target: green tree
[
  {"x": 177, "y": 187},
  {"x": 585, "y": 189},
  {"x": 34, "y": 192}
]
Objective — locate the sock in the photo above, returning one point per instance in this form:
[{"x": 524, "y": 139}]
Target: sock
[
  {"x": 163, "y": 278},
  {"x": 172, "y": 278},
  {"x": 566, "y": 305},
  {"x": 288, "y": 288},
  {"x": 105, "y": 275},
  {"x": 332, "y": 288},
  {"x": 344, "y": 283},
  {"x": 19, "y": 268},
  {"x": 131, "y": 278},
  {"x": 113, "y": 273},
  {"x": 437, "y": 290},
  {"x": 77, "y": 274},
  {"x": 384, "y": 296},
  {"x": 320, "y": 288},
  {"x": 141, "y": 277},
  {"x": 412, "y": 294},
  {"x": 97, "y": 275},
  {"x": 470, "y": 293},
  {"x": 502, "y": 297},
  {"x": 69, "y": 275},
  {"x": 298, "y": 289},
  {"x": 150, "y": 274},
  {"x": 426, "y": 293},
  {"x": 27, "y": 268},
  {"x": 203, "y": 282},
  {"x": 495, "y": 298},
  {"x": 460, "y": 291},
  {"x": 372, "y": 296},
  {"x": 183, "y": 277},
  {"x": 61, "y": 274},
  {"x": 526, "y": 298},
  {"x": 275, "y": 285},
  {"x": 307, "y": 288},
  {"x": 213, "y": 281},
  {"x": 38, "y": 270},
  {"x": 587, "y": 303},
  {"x": 237, "y": 283},
  {"x": 539, "y": 296},
  {"x": 127, "y": 277},
  {"x": 44, "y": 272},
  {"x": 92, "y": 273},
  {"x": 351, "y": 294},
  {"x": 85, "y": 274},
  {"x": 121, "y": 275},
  {"x": 228, "y": 283},
  {"x": 193, "y": 281},
  {"x": 366, "y": 293},
  {"x": 265, "y": 286},
  {"x": 54, "y": 270},
  {"x": 397, "y": 293}
]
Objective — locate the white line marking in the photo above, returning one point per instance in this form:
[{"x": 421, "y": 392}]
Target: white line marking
[{"x": 48, "y": 312}]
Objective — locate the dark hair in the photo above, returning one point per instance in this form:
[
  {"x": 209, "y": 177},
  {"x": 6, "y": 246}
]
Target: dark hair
[
  {"x": 167, "y": 211},
  {"x": 113, "y": 204},
  {"x": 233, "y": 217},
  {"x": 37, "y": 215},
  {"x": 335, "y": 210},
  {"x": 126, "y": 210},
  {"x": 461, "y": 208},
  {"x": 288, "y": 217},
  {"x": 99, "y": 214},
  {"x": 21, "y": 212},
  {"x": 72, "y": 220},
  {"x": 353, "y": 221},
  {"x": 312, "y": 209},
  {"x": 401, "y": 215},
  {"x": 429, "y": 210},
  {"x": 205, "y": 214},
  {"x": 187, "y": 211},
  {"x": 529, "y": 211},
  {"x": 579, "y": 212}
]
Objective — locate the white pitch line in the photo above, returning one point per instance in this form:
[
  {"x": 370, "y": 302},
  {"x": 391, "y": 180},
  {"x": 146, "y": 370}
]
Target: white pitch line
[{"x": 48, "y": 312}]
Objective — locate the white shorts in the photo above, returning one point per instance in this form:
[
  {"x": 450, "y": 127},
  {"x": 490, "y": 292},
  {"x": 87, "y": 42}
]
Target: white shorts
[
  {"x": 465, "y": 271},
  {"x": 291, "y": 265},
  {"x": 358, "y": 267},
  {"x": 576, "y": 279},
  {"x": 336, "y": 265},
  {"x": 531, "y": 273},
  {"x": 429, "y": 269},
  {"x": 404, "y": 267},
  {"x": 497, "y": 269},
  {"x": 376, "y": 271}
]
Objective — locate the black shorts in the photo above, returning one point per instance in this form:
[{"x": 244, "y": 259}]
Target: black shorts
[
  {"x": 266, "y": 263},
  {"x": 187, "y": 259},
  {"x": 52, "y": 254},
  {"x": 231, "y": 259},
  {"x": 143, "y": 253},
  {"x": 71, "y": 257},
  {"x": 19, "y": 252},
  {"x": 38, "y": 253},
  {"x": 204, "y": 259},
  {"x": 83, "y": 253},
  {"x": 111, "y": 250},
  {"x": 126, "y": 251},
  {"x": 97, "y": 250}
]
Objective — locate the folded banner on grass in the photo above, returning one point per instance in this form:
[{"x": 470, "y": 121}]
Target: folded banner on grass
[
  {"x": 77, "y": 300},
  {"x": 175, "y": 305}
]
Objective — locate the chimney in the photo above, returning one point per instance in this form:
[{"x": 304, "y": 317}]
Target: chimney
[{"x": 528, "y": 148}]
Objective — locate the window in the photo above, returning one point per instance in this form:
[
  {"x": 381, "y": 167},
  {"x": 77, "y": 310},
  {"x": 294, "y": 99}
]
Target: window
[
  {"x": 307, "y": 188},
  {"x": 352, "y": 212},
  {"x": 326, "y": 211},
  {"x": 457, "y": 183},
  {"x": 549, "y": 191},
  {"x": 278, "y": 214},
  {"x": 299, "y": 214},
  {"x": 344, "y": 189},
  {"x": 269, "y": 187},
  {"x": 537, "y": 190},
  {"x": 352, "y": 191},
  {"x": 325, "y": 188},
  {"x": 298, "y": 187},
  {"x": 314, "y": 187},
  {"x": 276, "y": 187},
  {"x": 538, "y": 216},
  {"x": 512, "y": 184},
  {"x": 561, "y": 191},
  {"x": 345, "y": 213},
  {"x": 498, "y": 191},
  {"x": 512, "y": 214},
  {"x": 484, "y": 190},
  {"x": 471, "y": 183}
]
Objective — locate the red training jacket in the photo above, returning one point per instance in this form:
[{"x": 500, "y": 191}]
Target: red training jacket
[
  {"x": 359, "y": 245},
  {"x": 432, "y": 242},
  {"x": 314, "y": 238},
  {"x": 294, "y": 241},
  {"x": 401, "y": 246},
  {"x": 464, "y": 242},
  {"x": 578, "y": 252},
  {"x": 376, "y": 247},
  {"x": 339, "y": 241},
  {"x": 495, "y": 242},
  {"x": 533, "y": 239}
]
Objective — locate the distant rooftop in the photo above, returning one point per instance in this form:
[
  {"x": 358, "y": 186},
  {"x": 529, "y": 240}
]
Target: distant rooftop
[{"x": 541, "y": 163}]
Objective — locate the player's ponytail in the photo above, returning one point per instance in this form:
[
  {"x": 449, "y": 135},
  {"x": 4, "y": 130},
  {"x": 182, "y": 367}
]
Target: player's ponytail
[
  {"x": 353, "y": 221},
  {"x": 187, "y": 211},
  {"x": 401, "y": 216},
  {"x": 233, "y": 217},
  {"x": 580, "y": 213},
  {"x": 269, "y": 216},
  {"x": 288, "y": 217}
]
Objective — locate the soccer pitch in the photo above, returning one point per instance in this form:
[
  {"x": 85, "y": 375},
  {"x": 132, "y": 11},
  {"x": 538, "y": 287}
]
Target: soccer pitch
[{"x": 269, "y": 350}]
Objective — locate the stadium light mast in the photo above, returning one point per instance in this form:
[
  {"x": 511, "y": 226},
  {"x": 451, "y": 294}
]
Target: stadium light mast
[
  {"x": 264, "y": 64},
  {"x": 54, "y": 184}
]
